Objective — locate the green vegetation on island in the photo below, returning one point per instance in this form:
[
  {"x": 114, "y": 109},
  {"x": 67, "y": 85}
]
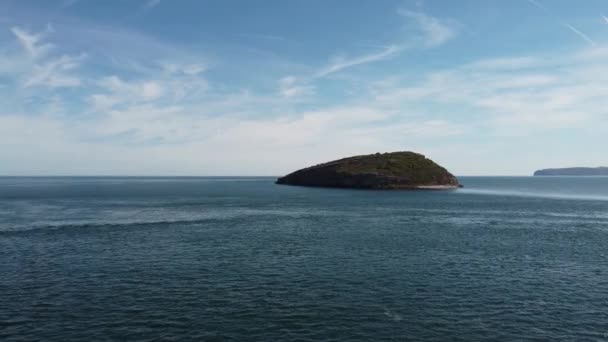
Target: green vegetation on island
[{"x": 396, "y": 170}]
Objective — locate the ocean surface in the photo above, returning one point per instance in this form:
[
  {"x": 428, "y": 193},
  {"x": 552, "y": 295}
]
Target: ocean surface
[{"x": 243, "y": 259}]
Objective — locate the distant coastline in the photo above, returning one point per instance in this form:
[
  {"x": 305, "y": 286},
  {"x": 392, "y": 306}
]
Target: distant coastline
[{"x": 573, "y": 171}]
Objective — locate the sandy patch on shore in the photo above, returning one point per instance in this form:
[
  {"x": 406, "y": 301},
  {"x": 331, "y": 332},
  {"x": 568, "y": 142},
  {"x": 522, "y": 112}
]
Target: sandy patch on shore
[{"x": 438, "y": 187}]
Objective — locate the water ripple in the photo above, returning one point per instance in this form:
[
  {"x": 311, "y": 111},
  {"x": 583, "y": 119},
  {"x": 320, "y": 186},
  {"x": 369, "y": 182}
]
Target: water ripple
[{"x": 239, "y": 261}]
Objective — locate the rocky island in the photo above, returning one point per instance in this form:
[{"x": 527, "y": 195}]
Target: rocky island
[
  {"x": 574, "y": 171},
  {"x": 385, "y": 171}
]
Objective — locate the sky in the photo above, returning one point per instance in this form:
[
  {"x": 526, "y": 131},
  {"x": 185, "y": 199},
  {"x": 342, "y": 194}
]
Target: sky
[{"x": 226, "y": 87}]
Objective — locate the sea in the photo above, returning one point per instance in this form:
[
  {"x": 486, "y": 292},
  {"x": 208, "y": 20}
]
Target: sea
[{"x": 243, "y": 259}]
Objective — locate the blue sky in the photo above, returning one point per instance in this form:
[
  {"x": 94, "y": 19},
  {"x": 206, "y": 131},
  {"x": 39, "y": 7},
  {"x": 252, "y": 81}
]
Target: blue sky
[{"x": 226, "y": 87}]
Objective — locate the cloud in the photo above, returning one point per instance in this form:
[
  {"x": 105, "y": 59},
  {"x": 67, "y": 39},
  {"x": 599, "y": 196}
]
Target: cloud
[
  {"x": 31, "y": 42},
  {"x": 436, "y": 32},
  {"x": 188, "y": 69},
  {"x": 501, "y": 98},
  {"x": 341, "y": 63},
  {"x": 565, "y": 24},
  {"x": 151, "y": 90},
  {"x": 151, "y": 4},
  {"x": 193, "y": 69},
  {"x": 509, "y": 63},
  {"x": 535, "y": 110},
  {"x": 264, "y": 37},
  {"x": 605, "y": 19},
  {"x": 54, "y": 73},
  {"x": 517, "y": 96},
  {"x": 68, "y": 3},
  {"x": 42, "y": 66},
  {"x": 137, "y": 114},
  {"x": 171, "y": 83},
  {"x": 152, "y": 140},
  {"x": 581, "y": 34},
  {"x": 289, "y": 88},
  {"x": 539, "y": 5},
  {"x": 122, "y": 92},
  {"x": 104, "y": 101}
]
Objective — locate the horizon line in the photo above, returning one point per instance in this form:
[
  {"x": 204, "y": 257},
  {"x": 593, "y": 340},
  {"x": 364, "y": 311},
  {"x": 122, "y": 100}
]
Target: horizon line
[{"x": 210, "y": 176}]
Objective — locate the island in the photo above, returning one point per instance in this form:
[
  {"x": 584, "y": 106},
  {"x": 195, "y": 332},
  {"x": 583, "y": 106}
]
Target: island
[
  {"x": 574, "y": 171},
  {"x": 380, "y": 171}
]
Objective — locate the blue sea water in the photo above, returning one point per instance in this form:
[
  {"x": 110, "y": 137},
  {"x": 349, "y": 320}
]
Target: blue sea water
[{"x": 243, "y": 259}]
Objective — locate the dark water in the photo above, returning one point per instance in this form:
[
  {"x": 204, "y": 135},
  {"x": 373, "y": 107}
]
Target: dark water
[{"x": 241, "y": 259}]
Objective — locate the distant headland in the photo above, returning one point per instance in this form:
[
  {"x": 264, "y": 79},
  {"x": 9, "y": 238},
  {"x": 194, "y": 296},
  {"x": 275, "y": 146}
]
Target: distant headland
[
  {"x": 382, "y": 171},
  {"x": 574, "y": 171}
]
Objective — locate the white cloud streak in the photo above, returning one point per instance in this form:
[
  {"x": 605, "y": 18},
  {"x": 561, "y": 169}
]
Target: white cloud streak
[
  {"x": 518, "y": 97},
  {"x": 31, "y": 42},
  {"x": 39, "y": 67},
  {"x": 264, "y": 37},
  {"x": 341, "y": 63},
  {"x": 290, "y": 88},
  {"x": 54, "y": 73},
  {"x": 581, "y": 34},
  {"x": 539, "y": 5},
  {"x": 187, "y": 69},
  {"x": 436, "y": 32},
  {"x": 68, "y": 3},
  {"x": 565, "y": 24},
  {"x": 151, "y": 4}
]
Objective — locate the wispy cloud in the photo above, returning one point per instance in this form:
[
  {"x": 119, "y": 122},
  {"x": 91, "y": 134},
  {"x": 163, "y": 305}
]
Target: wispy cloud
[
  {"x": 264, "y": 37},
  {"x": 44, "y": 69},
  {"x": 68, "y": 3},
  {"x": 518, "y": 96},
  {"x": 31, "y": 42},
  {"x": 605, "y": 19},
  {"x": 341, "y": 63},
  {"x": 54, "y": 73},
  {"x": 175, "y": 85},
  {"x": 188, "y": 69},
  {"x": 289, "y": 88},
  {"x": 146, "y": 90},
  {"x": 152, "y": 110},
  {"x": 511, "y": 63},
  {"x": 580, "y": 34},
  {"x": 436, "y": 32},
  {"x": 565, "y": 24},
  {"x": 151, "y": 4},
  {"x": 140, "y": 110},
  {"x": 539, "y": 5}
]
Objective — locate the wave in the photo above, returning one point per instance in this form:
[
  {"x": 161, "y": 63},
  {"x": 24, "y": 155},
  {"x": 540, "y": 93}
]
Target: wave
[
  {"x": 240, "y": 214},
  {"x": 549, "y": 195},
  {"x": 81, "y": 225}
]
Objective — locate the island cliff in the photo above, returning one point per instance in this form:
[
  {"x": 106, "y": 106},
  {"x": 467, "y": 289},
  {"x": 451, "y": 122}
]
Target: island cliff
[
  {"x": 396, "y": 170},
  {"x": 574, "y": 171}
]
